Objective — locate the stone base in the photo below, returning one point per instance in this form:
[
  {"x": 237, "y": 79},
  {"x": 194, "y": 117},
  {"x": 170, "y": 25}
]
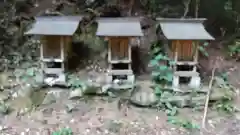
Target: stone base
[
  {"x": 194, "y": 83},
  {"x": 51, "y": 81},
  {"x": 128, "y": 83},
  {"x": 130, "y": 78}
]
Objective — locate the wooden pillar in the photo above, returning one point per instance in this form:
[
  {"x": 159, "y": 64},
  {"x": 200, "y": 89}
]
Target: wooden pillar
[
  {"x": 129, "y": 55},
  {"x": 62, "y": 51},
  {"x": 109, "y": 54},
  {"x": 175, "y": 49},
  {"x": 41, "y": 54},
  {"x": 196, "y": 44}
]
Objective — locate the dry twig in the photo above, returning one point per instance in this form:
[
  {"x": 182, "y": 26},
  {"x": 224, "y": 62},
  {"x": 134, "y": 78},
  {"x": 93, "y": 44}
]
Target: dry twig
[
  {"x": 208, "y": 94},
  {"x": 186, "y": 10}
]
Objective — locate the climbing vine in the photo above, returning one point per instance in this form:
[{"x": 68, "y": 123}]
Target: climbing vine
[
  {"x": 161, "y": 64},
  {"x": 162, "y": 76},
  {"x": 74, "y": 82}
]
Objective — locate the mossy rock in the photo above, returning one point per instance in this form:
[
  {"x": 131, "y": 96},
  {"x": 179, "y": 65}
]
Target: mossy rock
[
  {"x": 144, "y": 99},
  {"x": 76, "y": 93},
  {"x": 21, "y": 103},
  {"x": 92, "y": 90},
  {"x": 4, "y": 109},
  {"x": 4, "y": 83},
  {"x": 49, "y": 99},
  {"x": 4, "y": 95}
]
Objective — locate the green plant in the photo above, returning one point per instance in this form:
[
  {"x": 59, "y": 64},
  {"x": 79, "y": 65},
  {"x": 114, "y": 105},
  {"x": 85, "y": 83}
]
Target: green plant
[
  {"x": 161, "y": 64},
  {"x": 31, "y": 76},
  {"x": 64, "y": 131},
  {"x": 183, "y": 123},
  {"x": 234, "y": 50},
  {"x": 202, "y": 49},
  {"x": 226, "y": 104},
  {"x": 4, "y": 108},
  {"x": 74, "y": 82},
  {"x": 162, "y": 75}
]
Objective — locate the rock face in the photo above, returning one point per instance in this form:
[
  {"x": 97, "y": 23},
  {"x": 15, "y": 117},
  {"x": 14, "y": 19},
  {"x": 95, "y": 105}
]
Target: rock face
[
  {"x": 144, "y": 96},
  {"x": 4, "y": 81},
  {"x": 4, "y": 95},
  {"x": 49, "y": 99}
]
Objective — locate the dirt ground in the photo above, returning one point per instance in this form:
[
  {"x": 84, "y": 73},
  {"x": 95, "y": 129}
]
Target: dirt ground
[{"x": 100, "y": 115}]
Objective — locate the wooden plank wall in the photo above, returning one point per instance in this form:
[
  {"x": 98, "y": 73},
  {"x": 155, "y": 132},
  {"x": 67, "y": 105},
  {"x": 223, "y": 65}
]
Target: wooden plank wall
[
  {"x": 185, "y": 49},
  {"x": 52, "y": 46},
  {"x": 119, "y": 47},
  {"x": 67, "y": 46}
]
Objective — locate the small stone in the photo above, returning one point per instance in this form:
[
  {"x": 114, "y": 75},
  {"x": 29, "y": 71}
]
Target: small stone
[
  {"x": 77, "y": 93},
  {"x": 70, "y": 108},
  {"x": 47, "y": 111},
  {"x": 14, "y": 95},
  {"x": 1, "y": 128},
  {"x": 87, "y": 130},
  {"x": 72, "y": 121},
  {"x": 106, "y": 131},
  {"x": 98, "y": 132},
  {"x": 27, "y": 130}
]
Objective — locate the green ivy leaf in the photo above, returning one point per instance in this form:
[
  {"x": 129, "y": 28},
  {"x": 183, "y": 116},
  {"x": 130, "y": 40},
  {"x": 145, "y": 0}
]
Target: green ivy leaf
[
  {"x": 30, "y": 72},
  {"x": 171, "y": 62},
  {"x": 55, "y": 133},
  {"x": 163, "y": 68},
  {"x": 202, "y": 50},
  {"x": 168, "y": 105},
  {"x": 169, "y": 77},
  {"x": 159, "y": 57},
  {"x": 173, "y": 120},
  {"x": 205, "y": 44},
  {"x": 158, "y": 90},
  {"x": 173, "y": 111},
  {"x": 165, "y": 58},
  {"x": 156, "y": 50},
  {"x": 153, "y": 63},
  {"x": 195, "y": 126},
  {"x": 155, "y": 74}
]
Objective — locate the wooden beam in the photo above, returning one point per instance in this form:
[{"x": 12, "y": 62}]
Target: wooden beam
[
  {"x": 186, "y": 63},
  {"x": 129, "y": 55},
  {"x": 120, "y": 72},
  {"x": 186, "y": 73},
  {"x": 109, "y": 54}
]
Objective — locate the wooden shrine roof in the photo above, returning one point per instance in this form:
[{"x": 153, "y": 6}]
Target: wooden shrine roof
[
  {"x": 55, "y": 25},
  {"x": 184, "y": 29},
  {"x": 120, "y": 26}
]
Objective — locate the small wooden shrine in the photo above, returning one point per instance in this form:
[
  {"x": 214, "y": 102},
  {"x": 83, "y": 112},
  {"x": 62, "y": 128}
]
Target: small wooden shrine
[
  {"x": 184, "y": 36},
  {"x": 56, "y": 36},
  {"x": 119, "y": 32}
]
